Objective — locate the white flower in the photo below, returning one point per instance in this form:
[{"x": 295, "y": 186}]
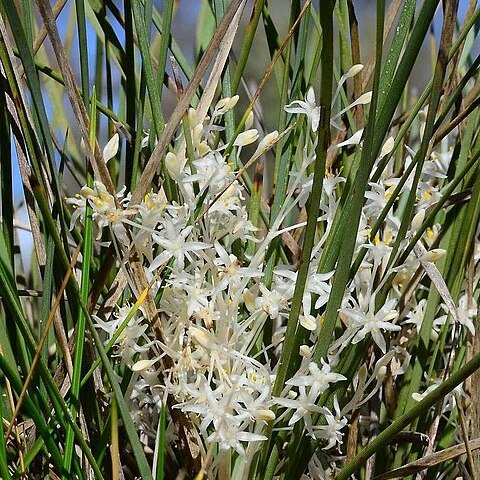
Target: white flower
[
  {"x": 449, "y": 401},
  {"x": 79, "y": 204},
  {"x": 304, "y": 406},
  {"x": 466, "y": 313},
  {"x": 316, "y": 285},
  {"x": 230, "y": 272},
  {"x": 175, "y": 244},
  {"x": 231, "y": 436},
  {"x": 213, "y": 171},
  {"x": 370, "y": 322},
  {"x": 427, "y": 195},
  {"x": 127, "y": 344},
  {"x": 416, "y": 315},
  {"x": 318, "y": 379},
  {"x": 332, "y": 430},
  {"x": 104, "y": 206},
  {"x": 308, "y": 108},
  {"x": 377, "y": 197},
  {"x": 271, "y": 302}
]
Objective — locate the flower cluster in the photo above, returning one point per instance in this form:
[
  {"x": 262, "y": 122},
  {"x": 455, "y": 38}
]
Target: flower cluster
[{"x": 215, "y": 305}]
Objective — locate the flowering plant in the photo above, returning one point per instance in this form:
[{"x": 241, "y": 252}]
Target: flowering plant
[{"x": 232, "y": 303}]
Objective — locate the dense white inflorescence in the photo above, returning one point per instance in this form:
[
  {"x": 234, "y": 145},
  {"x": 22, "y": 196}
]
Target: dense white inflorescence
[{"x": 215, "y": 306}]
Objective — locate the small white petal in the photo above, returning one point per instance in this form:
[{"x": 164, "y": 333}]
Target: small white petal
[
  {"x": 387, "y": 147},
  {"x": 249, "y": 121},
  {"x": 311, "y": 96},
  {"x": 145, "y": 141},
  {"x": 308, "y": 322},
  {"x": 390, "y": 316},
  {"x": 111, "y": 148},
  {"x": 355, "y": 139},
  {"x": 142, "y": 365}
]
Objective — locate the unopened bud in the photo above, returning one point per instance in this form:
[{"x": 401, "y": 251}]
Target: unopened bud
[
  {"x": 266, "y": 415},
  {"x": 202, "y": 338},
  {"x": 225, "y": 104},
  {"x": 364, "y": 99},
  {"x": 387, "y": 147},
  {"x": 142, "y": 365},
  {"x": 111, "y": 148},
  {"x": 418, "y": 220},
  {"x": 197, "y": 133},
  {"x": 434, "y": 255},
  {"x": 305, "y": 351},
  {"x": 246, "y": 138},
  {"x": 266, "y": 143},
  {"x": 308, "y": 322},
  {"x": 381, "y": 373},
  {"x": 172, "y": 164},
  {"x": 249, "y": 300},
  {"x": 249, "y": 121},
  {"x": 87, "y": 192},
  {"x": 354, "y": 70}
]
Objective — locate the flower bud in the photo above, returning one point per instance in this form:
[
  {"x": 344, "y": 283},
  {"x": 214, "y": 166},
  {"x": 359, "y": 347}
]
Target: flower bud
[
  {"x": 418, "y": 220},
  {"x": 266, "y": 143},
  {"x": 192, "y": 116},
  {"x": 266, "y": 415},
  {"x": 249, "y": 300},
  {"x": 305, "y": 351},
  {"x": 143, "y": 365},
  {"x": 381, "y": 373},
  {"x": 202, "y": 338},
  {"x": 433, "y": 255},
  {"x": 357, "y": 68},
  {"x": 387, "y": 147},
  {"x": 249, "y": 121},
  {"x": 87, "y": 192},
  {"x": 197, "y": 133},
  {"x": 246, "y": 138},
  {"x": 277, "y": 338},
  {"x": 111, "y": 148},
  {"x": 172, "y": 164},
  {"x": 225, "y": 104},
  {"x": 308, "y": 322},
  {"x": 364, "y": 99}
]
